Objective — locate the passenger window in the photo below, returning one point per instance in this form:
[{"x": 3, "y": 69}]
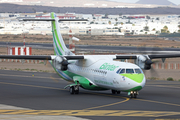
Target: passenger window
[
  {"x": 122, "y": 71},
  {"x": 138, "y": 71},
  {"x": 129, "y": 71}
]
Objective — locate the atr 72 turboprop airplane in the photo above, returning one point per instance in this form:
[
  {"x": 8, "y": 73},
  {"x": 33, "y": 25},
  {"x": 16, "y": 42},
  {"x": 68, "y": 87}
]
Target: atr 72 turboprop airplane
[{"x": 94, "y": 72}]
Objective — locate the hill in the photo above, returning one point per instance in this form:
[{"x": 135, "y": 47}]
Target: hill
[
  {"x": 71, "y": 3},
  {"x": 86, "y": 3},
  {"x": 156, "y": 2},
  {"x": 14, "y": 8}
]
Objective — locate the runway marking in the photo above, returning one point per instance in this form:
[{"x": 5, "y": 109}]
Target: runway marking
[
  {"x": 23, "y": 76},
  {"x": 31, "y": 86},
  {"x": 132, "y": 113},
  {"x": 56, "y": 89},
  {"x": 54, "y": 79},
  {"x": 16, "y": 117},
  {"x": 138, "y": 99},
  {"x": 172, "y": 83},
  {"x": 108, "y": 104},
  {"x": 177, "y": 105},
  {"x": 167, "y": 119},
  {"x": 164, "y": 86},
  {"x": 126, "y": 99}
]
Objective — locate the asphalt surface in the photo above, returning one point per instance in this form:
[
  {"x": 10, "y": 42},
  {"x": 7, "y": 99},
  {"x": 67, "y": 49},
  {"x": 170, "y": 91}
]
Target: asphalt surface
[
  {"x": 44, "y": 94},
  {"x": 91, "y": 48}
]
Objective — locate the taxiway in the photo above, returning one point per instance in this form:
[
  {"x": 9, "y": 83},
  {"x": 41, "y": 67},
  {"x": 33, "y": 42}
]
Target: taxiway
[{"x": 43, "y": 94}]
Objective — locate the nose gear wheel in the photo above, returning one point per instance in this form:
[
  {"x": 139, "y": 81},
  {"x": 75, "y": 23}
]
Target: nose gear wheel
[{"x": 133, "y": 94}]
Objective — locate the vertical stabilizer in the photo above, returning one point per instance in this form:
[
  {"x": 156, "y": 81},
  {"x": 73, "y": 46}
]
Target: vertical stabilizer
[{"x": 58, "y": 43}]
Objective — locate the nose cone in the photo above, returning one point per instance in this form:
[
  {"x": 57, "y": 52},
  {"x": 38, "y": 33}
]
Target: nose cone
[
  {"x": 136, "y": 81},
  {"x": 143, "y": 82}
]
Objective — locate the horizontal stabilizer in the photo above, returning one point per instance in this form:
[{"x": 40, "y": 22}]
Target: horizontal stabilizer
[{"x": 37, "y": 19}]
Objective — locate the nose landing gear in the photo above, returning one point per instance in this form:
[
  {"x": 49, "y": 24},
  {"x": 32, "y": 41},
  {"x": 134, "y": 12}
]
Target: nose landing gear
[{"x": 133, "y": 94}]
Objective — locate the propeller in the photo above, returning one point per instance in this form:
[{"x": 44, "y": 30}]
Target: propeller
[
  {"x": 148, "y": 62},
  {"x": 60, "y": 63}
]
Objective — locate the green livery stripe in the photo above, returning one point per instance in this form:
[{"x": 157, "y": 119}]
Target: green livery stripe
[
  {"x": 52, "y": 15},
  {"x": 83, "y": 81},
  {"x": 54, "y": 52},
  {"x": 134, "y": 89},
  {"x": 135, "y": 77},
  {"x": 56, "y": 35},
  {"x": 57, "y": 46}
]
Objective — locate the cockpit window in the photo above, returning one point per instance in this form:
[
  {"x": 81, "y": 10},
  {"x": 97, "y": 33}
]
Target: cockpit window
[
  {"x": 122, "y": 71},
  {"x": 118, "y": 71},
  {"x": 129, "y": 71},
  {"x": 138, "y": 71}
]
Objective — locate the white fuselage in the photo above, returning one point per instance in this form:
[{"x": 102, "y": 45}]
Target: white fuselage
[{"x": 102, "y": 72}]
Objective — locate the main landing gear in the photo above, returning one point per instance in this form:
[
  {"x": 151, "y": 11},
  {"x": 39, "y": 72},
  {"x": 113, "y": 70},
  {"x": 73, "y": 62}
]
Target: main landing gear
[
  {"x": 133, "y": 94},
  {"x": 115, "y": 91},
  {"x": 74, "y": 89}
]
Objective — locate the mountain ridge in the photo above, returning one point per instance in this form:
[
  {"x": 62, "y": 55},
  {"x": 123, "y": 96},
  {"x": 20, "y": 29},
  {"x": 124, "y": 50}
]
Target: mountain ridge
[
  {"x": 155, "y": 2},
  {"x": 83, "y": 3},
  {"x": 14, "y": 8}
]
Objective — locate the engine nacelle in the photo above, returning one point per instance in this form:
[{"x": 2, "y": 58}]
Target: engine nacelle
[
  {"x": 60, "y": 63},
  {"x": 144, "y": 62}
]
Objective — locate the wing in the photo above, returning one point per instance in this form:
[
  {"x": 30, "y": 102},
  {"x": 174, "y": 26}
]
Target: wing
[
  {"x": 149, "y": 56},
  {"x": 78, "y": 57},
  {"x": 144, "y": 61},
  {"x": 39, "y": 57},
  {"x": 28, "y": 57}
]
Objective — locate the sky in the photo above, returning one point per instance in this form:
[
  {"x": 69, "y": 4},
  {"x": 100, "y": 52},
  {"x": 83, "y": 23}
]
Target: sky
[{"x": 133, "y": 1}]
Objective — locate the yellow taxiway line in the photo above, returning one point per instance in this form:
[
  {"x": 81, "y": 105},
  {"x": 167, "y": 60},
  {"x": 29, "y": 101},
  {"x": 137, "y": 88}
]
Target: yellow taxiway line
[{"x": 132, "y": 113}]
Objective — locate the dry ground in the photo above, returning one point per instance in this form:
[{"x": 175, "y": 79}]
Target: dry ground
[
  {"x": 90, "y": 40},
  {"x": 96, "y": 40},
  {"x": 33, "y": 67}
]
